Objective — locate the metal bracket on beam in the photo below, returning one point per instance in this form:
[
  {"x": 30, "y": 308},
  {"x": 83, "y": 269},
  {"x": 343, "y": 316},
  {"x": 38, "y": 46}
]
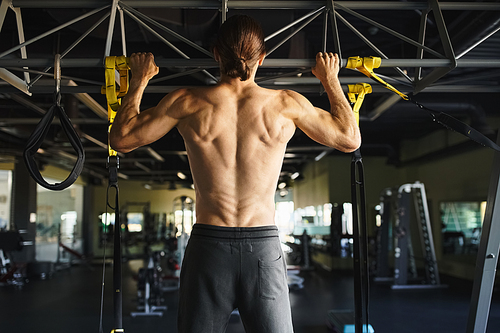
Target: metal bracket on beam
[
  {"x": 421, "y": 40},
  {"x": 14, "y": 80},
  {"x": 438, "y": 73},
  {"x": 20, "y": 32},
  {"x": 122, "y": 30},
  {"x": 335, "y": 30},
  {"x": 6, "y": 75},
  {"x": 111, "y": 26},
  {"x": 223, "y": 11}
]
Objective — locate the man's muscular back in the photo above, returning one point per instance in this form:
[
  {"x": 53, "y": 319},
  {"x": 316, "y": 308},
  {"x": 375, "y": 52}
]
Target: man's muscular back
[{"x": 235, "y": 136}]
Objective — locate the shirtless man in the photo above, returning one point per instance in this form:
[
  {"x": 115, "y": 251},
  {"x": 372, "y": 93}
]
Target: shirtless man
[{"x": 236, "y": 135}]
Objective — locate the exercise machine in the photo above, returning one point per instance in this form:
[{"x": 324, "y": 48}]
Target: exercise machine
[
  {"x": 149, "y": 288},
  {"x": 12, "y": 273},
  {"x": 396, "y": 211}
]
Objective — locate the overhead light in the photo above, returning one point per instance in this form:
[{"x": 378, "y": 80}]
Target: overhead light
[
  {"x": 181, "y": 175},
  {"x": 122, "y": 175},
  {"x": 147, "y": 187},
  {"x": 89, "y": 102},
  {"x": 66, "y": 155},
  {"x": 295, "y": 175},
  {"x": 192, "y": 186},
  {"x": 323, "y": 154},
  {"x": 154, "y": 154},
  {"x": 281, "y": 185},
  {"x": 94, "y": 140},
  {"x": 142, "y": 166}
]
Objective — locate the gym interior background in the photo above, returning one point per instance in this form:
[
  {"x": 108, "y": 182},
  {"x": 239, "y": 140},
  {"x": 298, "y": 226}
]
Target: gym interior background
[{"x": 62, "y": 232}]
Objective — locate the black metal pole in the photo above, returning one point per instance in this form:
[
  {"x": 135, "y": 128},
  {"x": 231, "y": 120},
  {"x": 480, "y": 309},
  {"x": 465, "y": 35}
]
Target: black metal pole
[{"x": 487, "y": 257}]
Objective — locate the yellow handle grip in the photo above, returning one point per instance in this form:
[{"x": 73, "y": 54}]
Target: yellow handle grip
[
  {"x": 366, "y": 65},
  {"x": 114, "y": 94},
  {"x": 356, "y": 95}
]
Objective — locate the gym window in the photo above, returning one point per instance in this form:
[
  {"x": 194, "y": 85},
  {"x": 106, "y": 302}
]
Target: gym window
[{"x": 461, "y": 226}]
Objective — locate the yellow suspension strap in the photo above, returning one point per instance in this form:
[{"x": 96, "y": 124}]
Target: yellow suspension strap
[
  {"x": 356, "y": 96},
  {"x": 367, "y": 64},
  {"x": 113, "y": 96},
  {"x": 112, "y": 92}
]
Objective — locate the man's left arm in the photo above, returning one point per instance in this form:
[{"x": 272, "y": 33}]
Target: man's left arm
[{"x": 336, "y": 128}]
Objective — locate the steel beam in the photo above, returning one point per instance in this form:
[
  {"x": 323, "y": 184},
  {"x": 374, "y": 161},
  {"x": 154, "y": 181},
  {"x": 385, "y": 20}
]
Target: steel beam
[
  {"x": 301, "y": 88},
  {"x": 223, "y": 11},
  {"x": 292, "y": 24},
  {"x": 268, "y": 63},
  {"x": 487, "y": 256},
  {"x": 167, "y": 30},
  {"x": 14, "y": 81},
  {"x": 20, "y": 33},
  {"x": 4, "y": 6},
  {"x": 438, "y": 73},
  {"x": 160, "y": 37},
  {"x": 75, "y": 43},
  {"x": 122, "y": 31},
  {"x": 293, "y": 33},
  {"x": 242, "y": 4},
  {"x": 34, "y": 121},
  {"x": 371, "y": 45},
  {"x": 51, "y": 31},
  {"x": 111, "y": 27},
  {"x": 390, "y": 31}
]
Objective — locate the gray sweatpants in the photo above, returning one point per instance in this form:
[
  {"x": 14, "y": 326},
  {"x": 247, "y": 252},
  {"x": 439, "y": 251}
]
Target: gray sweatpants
[{"x": 227, "y": 268}]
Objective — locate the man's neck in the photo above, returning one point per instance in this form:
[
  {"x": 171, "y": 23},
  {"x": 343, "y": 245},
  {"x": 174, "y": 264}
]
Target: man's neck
[{"x": 236, "y": 82}]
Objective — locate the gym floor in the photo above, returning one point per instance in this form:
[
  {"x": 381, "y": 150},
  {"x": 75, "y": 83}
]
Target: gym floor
[{"x": 69, "y": 302}]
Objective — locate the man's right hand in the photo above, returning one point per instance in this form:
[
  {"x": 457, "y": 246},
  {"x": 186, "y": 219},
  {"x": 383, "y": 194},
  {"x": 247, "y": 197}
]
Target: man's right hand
[
  {"x": 327, "y": 66},
  {"x": 142, "y": 66}
]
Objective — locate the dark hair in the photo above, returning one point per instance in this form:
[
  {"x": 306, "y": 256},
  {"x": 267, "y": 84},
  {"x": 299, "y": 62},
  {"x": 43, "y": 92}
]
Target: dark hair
[{"x": 240, "y": 43}]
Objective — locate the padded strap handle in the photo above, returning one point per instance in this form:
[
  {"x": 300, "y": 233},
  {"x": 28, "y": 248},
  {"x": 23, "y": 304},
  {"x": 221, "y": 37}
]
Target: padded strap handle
[{"x": 36, "y": 139}]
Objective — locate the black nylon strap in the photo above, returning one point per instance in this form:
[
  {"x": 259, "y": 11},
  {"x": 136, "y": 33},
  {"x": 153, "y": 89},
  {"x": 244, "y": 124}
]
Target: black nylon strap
[
  {"x": 456, "y": 125},
  {"x": 117, "y": 266},
  {"x": 360, "y": 248},
  {"x": 36, "y": 139}
]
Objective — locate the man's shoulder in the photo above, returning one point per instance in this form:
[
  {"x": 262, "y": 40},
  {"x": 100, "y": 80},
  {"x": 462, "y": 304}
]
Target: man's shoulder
[
  {"x": 197, "y": 94},
  {"x": 188, "y": 94}
]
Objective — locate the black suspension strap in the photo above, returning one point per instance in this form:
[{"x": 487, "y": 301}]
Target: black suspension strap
[
  {"x": 366, "y": 65},
  {"x": 456, "y": 125},
  {"x": 361, "y": 281},
  {"x": 113, "y": 94},
  {"x": 356, "y": 96},
  {"x": 117, "y": 248},
  {"x": 38, "y": 136},
  {"x": 112, "y": 166}
]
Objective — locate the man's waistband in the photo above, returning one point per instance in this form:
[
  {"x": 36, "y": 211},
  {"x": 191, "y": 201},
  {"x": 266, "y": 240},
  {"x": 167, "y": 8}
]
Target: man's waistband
[{"x": 234, "y": 233}]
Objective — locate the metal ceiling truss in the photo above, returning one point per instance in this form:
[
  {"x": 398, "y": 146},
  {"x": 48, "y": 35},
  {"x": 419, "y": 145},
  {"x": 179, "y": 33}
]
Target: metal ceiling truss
[{"x": 330, "y": 10}]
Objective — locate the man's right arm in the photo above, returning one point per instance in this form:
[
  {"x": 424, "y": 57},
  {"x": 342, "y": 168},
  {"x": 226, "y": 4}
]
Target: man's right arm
[
  {"x": 338, "y": 128},
  {"x": 133, "y": 128}
]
